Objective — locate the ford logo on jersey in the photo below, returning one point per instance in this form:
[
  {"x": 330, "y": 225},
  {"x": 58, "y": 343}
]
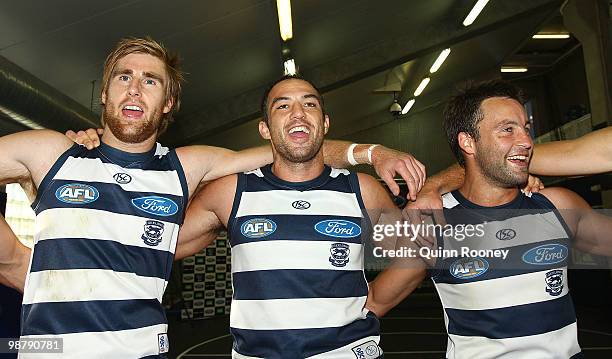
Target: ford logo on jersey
[
  {"x": 546, "y": 254},
  {"x": 258, "y": 228},
  {"x": 159, "y": 206},
  {"x": 467, "y": 268},
  {"x": 77, "y": 193},
  {"x": 338, "y": 228}
]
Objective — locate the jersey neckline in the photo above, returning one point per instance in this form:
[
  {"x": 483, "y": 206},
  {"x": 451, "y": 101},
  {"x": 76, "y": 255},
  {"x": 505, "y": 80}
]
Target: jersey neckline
[{"x": 301, "y": 186}]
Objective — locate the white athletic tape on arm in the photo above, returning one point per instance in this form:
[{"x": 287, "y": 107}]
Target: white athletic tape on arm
[{"x": 350, "y": 155}]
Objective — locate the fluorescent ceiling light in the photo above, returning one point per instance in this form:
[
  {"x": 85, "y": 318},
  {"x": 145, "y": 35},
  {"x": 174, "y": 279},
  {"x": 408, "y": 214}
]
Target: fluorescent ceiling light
[
  {"x": 20, "y": 119},
  {"x": 480, "y": 4},
  {"x": 284, "y": 19},
  {"x": 290, "y": 67},
  {"x": 513, "y": 69},
  {"x": 408, "y": 106},
  {"x": 439, "y": 61},
  {"x": 421, "y": 87},
  {"x": 551, "y": 36}
]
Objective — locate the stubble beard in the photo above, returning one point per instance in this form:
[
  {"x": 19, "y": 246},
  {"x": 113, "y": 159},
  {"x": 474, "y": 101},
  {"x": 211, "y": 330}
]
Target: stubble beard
[
  {"x": 499, "y": 172},
  {"x": 299, "y": 154}
]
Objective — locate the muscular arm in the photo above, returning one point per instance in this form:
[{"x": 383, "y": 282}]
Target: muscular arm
[
  {"x": 14, "y": 258},
  {"x": 387, "y": 163},
  {"x": 589, "y": 154},
  {"x": 207, "y": 213},
  {"x": 27, "y": 157},
  {"x": 207, "y": 163},
  {"x": 403, "y": 275},
  {"x": 591, "y": 230}
]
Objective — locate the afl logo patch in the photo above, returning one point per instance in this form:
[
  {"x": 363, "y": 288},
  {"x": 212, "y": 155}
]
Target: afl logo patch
[
  {"x": 546, "y": 254},
  {"x": 339, "y": 254},
  {"x": 468, "y": 268},
  {"x": 122, "y": 178},
  {"x": 338, "y": 228},
  {"x": 159, "y": 206},
  {"x": 505, "y": 234},
  {"x": 258, "y": 228},
  {"x": 77, "y": 193},
  {"x": 300, "y": 204}
]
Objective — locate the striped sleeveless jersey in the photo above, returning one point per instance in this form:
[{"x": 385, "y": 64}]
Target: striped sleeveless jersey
[
  {"x": 297, "y": 268},
  {"x": 106, "y": 229},
  {"x": 518, "y": 307}
]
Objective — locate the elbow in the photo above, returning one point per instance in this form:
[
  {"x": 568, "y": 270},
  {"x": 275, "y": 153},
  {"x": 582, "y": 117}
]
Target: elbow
[{"x": 377, "y": 307}]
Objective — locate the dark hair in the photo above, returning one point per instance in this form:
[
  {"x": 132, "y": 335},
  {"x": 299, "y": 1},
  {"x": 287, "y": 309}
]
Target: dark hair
[
  {"x": 264, "y": 100},
  {"x": 463, "y": 112}
]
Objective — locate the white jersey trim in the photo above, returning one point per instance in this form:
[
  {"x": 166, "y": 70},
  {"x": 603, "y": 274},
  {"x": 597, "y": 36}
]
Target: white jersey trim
[
  {"x": 530, "y": 229},
  {"x": 255, "y": 256},
  {"x": 555, "y": 344},
  {"x": 94, "y": 170},
  {"x": 494, "y": 293},
  {"x": 335, "y": 172},
  {"x": 347, "y": 351},
  {"x": 122, "y": 344},
  {"x": 322, "y": 202},
  {"x": 71, "y": 285},
  {"x": 301, "y": 313},
  {"x": 84, "y": 223}
]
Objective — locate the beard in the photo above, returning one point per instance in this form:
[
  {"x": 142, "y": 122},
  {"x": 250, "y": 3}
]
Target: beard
[
  {"x": 133, "y": 131},
  {"x": 299, "y": 154},
  {"x": 499, "y": 172}
]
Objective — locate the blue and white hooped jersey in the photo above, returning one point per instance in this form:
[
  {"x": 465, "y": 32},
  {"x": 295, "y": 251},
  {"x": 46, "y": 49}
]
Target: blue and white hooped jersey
[
  {"x": 107, "y": 223},
  {"x": 298, "y": 268},
  {"x": 518, "y": 307}
]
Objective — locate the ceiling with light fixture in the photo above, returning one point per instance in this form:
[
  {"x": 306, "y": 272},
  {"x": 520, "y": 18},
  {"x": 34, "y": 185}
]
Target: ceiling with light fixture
[{"x": 355, "y": 51}]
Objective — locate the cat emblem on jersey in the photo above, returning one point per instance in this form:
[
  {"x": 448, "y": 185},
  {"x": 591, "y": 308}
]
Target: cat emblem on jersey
[
  {"x": 554, "y": 282},
  {"x": 153, "y": 231},
  {"x": 339, "y": 254}
]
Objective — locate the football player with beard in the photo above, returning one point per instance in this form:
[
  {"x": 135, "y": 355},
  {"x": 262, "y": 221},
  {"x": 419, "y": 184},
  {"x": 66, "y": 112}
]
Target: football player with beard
[{"x": 108, "y": 218}]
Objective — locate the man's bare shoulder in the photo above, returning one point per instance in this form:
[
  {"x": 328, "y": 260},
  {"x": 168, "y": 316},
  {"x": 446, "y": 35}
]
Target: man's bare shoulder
[
  {"x": 217, "y": 196},
  {"x": 45, "y": 137},
  {"x": 197, "y": 161},
  {"x": 564, "y": 198},
  {"x": 200, "y": 156},
  {"x": 373, "y": 193},
  {"x": 194, "y": 150},
  {"x": 31, "y": 153},
  {"x": 219, "y": 191}
]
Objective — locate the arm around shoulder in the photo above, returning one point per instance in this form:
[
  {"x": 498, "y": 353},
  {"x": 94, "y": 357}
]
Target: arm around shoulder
[
  {"x": 589, "y": 154},
  {"x": 403, "y": 274},
  {"x": 590, "y": 229},
  {"x": 30, "y": 154},
  {"x": 208, "y": 212}
]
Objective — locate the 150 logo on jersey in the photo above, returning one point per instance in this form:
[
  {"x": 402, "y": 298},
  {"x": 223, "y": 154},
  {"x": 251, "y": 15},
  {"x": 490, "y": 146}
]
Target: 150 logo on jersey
[
  {"x": 77, "y": 193},
  {"x": 338, "y": 228},
  {"x": 159, "y": 206}
]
